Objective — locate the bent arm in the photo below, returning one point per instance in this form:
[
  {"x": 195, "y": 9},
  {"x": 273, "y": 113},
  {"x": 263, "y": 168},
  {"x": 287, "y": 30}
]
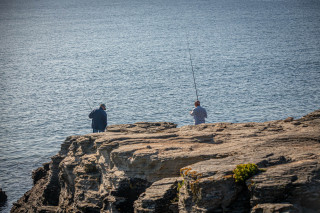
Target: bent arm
[{"x": 91, "y": 114}]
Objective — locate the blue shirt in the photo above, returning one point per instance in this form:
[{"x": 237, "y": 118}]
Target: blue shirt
[
  {"x": 199, "y": 114},
  {"x": 99, "y": 119}
]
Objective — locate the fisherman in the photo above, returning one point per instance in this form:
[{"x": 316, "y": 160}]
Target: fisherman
[
  {"x": 199, "y": 113},
  {"x": 99, "y": 119}
]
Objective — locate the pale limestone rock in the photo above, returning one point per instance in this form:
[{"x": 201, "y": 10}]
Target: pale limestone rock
[
  {"x": 275, "y": 208},
  {"x": 137, "y": 168},
  {"x": 159, "y": 197}
]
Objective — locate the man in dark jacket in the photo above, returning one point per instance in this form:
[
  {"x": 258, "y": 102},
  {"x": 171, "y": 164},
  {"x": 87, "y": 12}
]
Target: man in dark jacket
[{"x": 99, "y": 119}]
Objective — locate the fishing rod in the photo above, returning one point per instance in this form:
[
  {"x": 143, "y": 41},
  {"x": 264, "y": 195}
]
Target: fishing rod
[
  {"x": 194, "y": 79},
  {"x": 87, "y": 102},
  {"x": 85, "y": 97}
]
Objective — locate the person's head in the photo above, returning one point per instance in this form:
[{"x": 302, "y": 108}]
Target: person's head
[
  {"x": 103, "y": 106},
  {"x": 197, "y": 103}
]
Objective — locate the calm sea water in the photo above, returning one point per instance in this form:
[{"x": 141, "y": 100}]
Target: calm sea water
[{"x": 254, "y": 60}]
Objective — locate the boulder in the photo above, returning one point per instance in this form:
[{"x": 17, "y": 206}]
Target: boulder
[
  {"x": 289, "y": 119},
  {"x": 275, "y": 208},
  {"x": 161, "y": 196}
]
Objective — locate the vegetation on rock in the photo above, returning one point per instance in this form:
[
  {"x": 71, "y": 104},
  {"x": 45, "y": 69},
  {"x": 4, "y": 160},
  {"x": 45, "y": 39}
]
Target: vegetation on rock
[{"x": 244, "y": 171}]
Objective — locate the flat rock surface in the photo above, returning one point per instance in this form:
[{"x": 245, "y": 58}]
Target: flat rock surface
[{"x": 135, "y": 167}]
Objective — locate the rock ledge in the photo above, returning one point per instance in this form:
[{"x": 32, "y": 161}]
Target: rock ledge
[{"x": 156, "y": 167}]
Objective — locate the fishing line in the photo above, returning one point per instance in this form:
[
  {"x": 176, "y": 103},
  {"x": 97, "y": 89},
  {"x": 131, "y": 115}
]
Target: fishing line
[
  {"x": 85, "y": 97},
  {"x": 87, "y": 102},
  {"x": 194, "y": 79}
]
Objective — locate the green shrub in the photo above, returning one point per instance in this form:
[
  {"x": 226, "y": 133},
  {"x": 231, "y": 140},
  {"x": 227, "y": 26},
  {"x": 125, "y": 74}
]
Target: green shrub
[
  {"x": 244, "y": 171},
  {"x": 179, "y": 186}
]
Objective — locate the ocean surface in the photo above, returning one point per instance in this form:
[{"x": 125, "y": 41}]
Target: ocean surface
[{"x": 253, "y": 60}]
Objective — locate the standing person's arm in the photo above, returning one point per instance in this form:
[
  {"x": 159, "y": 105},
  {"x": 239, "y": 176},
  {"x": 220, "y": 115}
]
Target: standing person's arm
[
  {"x": 191, "y": 112},
  {"x": 91, "y": 114}
]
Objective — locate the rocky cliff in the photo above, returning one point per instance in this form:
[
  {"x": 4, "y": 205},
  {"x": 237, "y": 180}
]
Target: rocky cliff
[{"x": 156, "y": 167}]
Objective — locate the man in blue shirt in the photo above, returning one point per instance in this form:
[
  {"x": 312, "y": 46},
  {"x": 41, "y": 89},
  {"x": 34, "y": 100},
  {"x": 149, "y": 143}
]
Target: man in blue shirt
[
  {"x": 199, "y": 113},
  {"x": 99, "y": 119}
]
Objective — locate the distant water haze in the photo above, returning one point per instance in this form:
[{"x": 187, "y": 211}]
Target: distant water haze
[{"x": 254, "y": 60}]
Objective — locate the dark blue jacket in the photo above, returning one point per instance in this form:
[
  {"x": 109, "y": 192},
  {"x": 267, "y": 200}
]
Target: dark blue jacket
[{"x": 99, "y": 119}]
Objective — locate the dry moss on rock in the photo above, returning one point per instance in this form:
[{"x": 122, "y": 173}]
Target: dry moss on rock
[{"x": 244, "y": 171}]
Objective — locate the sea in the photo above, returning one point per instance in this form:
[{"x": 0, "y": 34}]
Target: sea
[{"x": 252, "y": 61}]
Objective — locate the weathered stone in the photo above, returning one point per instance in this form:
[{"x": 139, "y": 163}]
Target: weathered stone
[
  {"x": 275, "y": 208},
  {"x": 40, "y": 173},
  {"x": 209, "y": 186},
  {"x": 159, "y": 197},
  {"x": 289, "y": 119},
  {"x": 142, "y": 127},
  {"x": 156, "y": 167},
  {"x": 296, "y": 182}
]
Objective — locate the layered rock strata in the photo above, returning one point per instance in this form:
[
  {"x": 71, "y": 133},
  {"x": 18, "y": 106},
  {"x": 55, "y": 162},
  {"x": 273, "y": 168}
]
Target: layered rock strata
[{"x": 156, "y": 167}]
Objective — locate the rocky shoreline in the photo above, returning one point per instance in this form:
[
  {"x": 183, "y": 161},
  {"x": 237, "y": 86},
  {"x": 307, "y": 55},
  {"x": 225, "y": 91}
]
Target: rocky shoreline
[{"x": 157, "y": 167}]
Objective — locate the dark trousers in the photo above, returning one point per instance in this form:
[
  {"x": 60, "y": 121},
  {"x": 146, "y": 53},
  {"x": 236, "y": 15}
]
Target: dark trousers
[{"x": 97, "y": 130}]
